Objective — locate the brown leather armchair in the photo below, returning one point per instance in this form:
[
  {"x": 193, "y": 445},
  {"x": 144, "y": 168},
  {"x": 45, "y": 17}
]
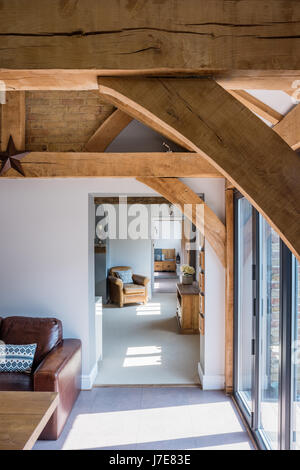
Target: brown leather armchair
[
  {"x": 127, "y": 293},
  {"x": 56, "y": 365}
]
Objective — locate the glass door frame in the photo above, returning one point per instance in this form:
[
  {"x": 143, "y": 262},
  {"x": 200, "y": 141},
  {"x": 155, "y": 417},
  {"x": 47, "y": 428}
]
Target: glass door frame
[
  {"x": 285, "y": 343},
  {"x": 248, "y": 414}
]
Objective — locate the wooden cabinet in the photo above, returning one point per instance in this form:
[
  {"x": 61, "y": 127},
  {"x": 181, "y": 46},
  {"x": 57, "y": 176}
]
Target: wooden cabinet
[
  {"x": 167, "y": 259},
  {"x": 188, "y": 308},
  {"x": 165, "y": 266},
  {"x": 202, "y": 290}
]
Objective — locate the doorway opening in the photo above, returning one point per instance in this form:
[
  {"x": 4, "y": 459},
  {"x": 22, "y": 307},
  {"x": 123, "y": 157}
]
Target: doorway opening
[
  {"x": 143, "y": 342},
  {"x": 167, "y": 252}
]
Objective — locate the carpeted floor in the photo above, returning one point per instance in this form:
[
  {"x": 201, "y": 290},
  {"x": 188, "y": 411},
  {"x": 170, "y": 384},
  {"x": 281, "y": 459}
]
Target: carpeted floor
[{"x": 143, "y": 345}]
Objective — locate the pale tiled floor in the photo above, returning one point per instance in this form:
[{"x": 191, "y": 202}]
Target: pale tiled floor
[
  {"x": 142, "y": 344},
  {"x": 165, "y": 282},
  {"x": 152, "y": 418}
]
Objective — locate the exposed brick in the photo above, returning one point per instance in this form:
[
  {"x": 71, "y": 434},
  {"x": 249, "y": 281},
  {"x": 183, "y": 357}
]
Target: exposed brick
[{"x": 61, "y": 121}]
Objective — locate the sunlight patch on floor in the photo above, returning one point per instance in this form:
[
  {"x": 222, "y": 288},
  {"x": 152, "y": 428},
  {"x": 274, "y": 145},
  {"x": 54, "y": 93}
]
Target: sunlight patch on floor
[
  {"x": 210, "y": 421},
  {"x": 153, "y": 358},
  {"x": 151, "y": 308},
  {"x": 135, "y": 351},
  {"x": 142, "y": 361}
]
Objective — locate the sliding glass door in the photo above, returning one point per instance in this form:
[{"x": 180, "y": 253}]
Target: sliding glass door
[
  {"x": 295, "y": 389},
  {"x": 244, "y": 366},
  {"x": 266, "y": 331},
  {"x": 269, "y": 334}
]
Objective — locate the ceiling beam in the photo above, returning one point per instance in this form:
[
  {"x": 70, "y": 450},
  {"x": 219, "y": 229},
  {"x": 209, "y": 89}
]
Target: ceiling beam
[
  {"x": 82, "y": 80},
  {"x": 194, "y": 35},
  {"x": 108, "y": 131},
  {"x": 289, "y": 128},
  {"x": 119, "y": 165},
  {"x": 129, "y": 200},
  {"x": 285, "y": 80},
  {"x": 257, "y": 106},
  {"x": 229, "y": 136},
  {"x": 13, "y": 120},
  {"x": 186, "y": 200}
]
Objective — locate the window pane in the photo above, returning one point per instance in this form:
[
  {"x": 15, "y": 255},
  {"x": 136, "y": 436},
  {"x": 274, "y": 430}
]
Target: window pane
[
  {"x": 295, "y": 438},
  {"x": 269, "y": 351},
  {"x": 245, "y": 302}
]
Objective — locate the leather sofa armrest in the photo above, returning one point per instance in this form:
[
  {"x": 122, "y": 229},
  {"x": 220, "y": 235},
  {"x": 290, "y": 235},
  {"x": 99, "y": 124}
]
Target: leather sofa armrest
[
  {"x": 56, "y": 360},
  {"x": 115, "y": 280},
  {"x": 141, "y": 280},
  {"x": 60, "y": 372}
]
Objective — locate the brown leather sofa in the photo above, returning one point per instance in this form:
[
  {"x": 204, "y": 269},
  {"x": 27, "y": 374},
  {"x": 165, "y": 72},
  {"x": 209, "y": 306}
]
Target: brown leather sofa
[
  {"x": 127, "y": 293},
  {"x": 56, "y": 366}
]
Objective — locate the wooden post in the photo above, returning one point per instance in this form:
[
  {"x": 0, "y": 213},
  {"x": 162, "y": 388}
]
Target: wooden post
[
  {"x": 108, "y": 131},
  {"x": 13, "y": 120},
  {"x": 229, "y": 193}
]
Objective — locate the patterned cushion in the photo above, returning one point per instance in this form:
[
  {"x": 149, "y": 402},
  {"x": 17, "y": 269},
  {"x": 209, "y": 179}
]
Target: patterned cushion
[
  {"x": 157, "y": 254},
  {"x": 125, "y": 276},
  {"x": 16, "y": 358}
]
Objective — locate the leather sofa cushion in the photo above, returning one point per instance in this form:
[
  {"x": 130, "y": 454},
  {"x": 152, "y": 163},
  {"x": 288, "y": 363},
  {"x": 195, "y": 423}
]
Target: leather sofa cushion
[
  {"x": 133, "y": 289},
  {"x": 46, "y": 332},
  {"x": 15, "y": 381}
]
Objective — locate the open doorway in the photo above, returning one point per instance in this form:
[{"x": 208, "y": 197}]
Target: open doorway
[
  {"x": 167, "y": 252},
  {"x": 142, "y": 339}
]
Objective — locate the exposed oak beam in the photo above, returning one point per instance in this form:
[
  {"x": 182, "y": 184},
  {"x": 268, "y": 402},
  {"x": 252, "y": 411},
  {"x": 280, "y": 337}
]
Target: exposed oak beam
[
  {"x": 289, "y": 128},
  {"x": 148, "y": 200},
  {"x": 231, "y": 138},
  {"x": 183, "y": 197},
  {"x": 56, "y": 79},
  {"x": 13, "y": 120},
  {"x": 197, "y": 35},
  {"x": 257, "y": 106},
  {"x": 108, "y": 131},
  {"x": 285, "y": 80},
  {"x": 72, "y": 165}
]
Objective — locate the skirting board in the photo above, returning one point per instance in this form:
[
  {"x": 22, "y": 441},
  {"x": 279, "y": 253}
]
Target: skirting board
[
  {"x": 87, "y": 381},
  {"x": 211, "y": 382}
]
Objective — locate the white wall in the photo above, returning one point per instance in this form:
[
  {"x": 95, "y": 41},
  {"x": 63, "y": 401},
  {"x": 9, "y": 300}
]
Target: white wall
[
  {"x": 173, "y": 227},
  {"x": 212, "y": 345},
  {"x": 138, "y": 138},
  {"x": 136, "y": 253}
]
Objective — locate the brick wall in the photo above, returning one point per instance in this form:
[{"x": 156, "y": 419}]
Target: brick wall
[{"x": 62, "y": 121}]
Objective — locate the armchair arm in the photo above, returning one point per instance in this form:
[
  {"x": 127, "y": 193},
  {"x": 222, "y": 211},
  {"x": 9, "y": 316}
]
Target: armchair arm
[
  {"x": 141, "y": 280},
  {"x": 115, "y": 280},
  {"x": 60, "y": 372},
  {"x": 116, "y": 290}
]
